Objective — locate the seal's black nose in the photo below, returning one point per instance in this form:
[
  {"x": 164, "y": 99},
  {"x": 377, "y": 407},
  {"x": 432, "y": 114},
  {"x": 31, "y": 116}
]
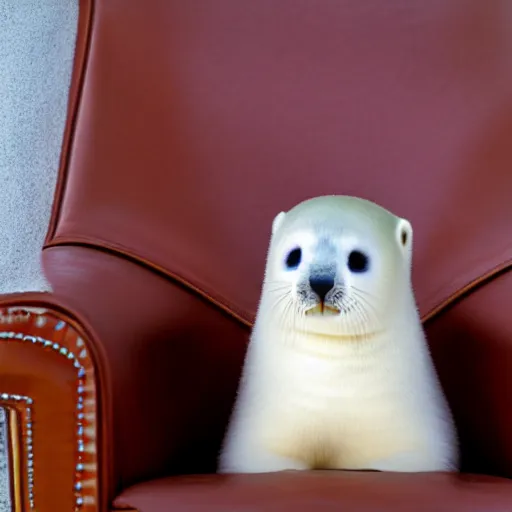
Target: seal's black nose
[{"x": 321, "y": 285}]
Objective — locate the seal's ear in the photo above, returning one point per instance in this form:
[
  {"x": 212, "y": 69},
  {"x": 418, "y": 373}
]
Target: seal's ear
[
  {"x": 278, "y": 220},
  {"x": 404, "y": 234}
]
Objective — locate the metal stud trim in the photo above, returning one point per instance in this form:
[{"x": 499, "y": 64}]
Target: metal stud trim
[
  {"x": 80, "y": 372},
  {"x": 28, "y": 441}
]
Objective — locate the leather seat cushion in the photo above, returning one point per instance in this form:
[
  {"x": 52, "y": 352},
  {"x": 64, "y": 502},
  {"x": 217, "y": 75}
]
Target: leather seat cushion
[{"x": 321, "y": 490}]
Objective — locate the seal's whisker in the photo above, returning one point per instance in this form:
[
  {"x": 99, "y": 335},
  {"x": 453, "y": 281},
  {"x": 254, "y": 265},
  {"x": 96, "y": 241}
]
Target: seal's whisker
[
  {"x": 360, "y": 320},
  {"x": 277, "y": 286},
  {"x": 365, "y": 315},
  {"x": 365, "y": 301},
  {"x": 368, "y": 314},
  {"x": 365, "y": 292},
  {"x": 279, "y": 299},
  {"x": 373, "y": 317},
  {"x": 287, "y": 314},
  {"x": 365, "y": 321},
  {"x": 297, "y": 316},
  {"x": 358, "y": 295}
]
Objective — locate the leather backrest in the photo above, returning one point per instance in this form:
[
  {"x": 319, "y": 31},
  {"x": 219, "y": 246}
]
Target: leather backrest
[
  {"x": 198, "y": 122},
  {"x": 191, "y": 124}
]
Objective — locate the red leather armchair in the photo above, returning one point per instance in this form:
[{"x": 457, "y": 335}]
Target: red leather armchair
[{"x": 191, "y": 124}]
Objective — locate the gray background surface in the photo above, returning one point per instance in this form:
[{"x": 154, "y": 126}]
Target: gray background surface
[{"x": 37, "y": 39}]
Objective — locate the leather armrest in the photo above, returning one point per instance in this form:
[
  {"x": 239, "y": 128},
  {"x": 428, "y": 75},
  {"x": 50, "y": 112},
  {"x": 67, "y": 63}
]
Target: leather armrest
[
  {"x": 173, "y": 363},
  {"x": 48, "y": 385},
  {"x": 472, "y": 348}
]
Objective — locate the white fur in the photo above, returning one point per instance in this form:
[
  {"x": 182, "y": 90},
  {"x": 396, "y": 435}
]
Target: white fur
[{"x": 352, "y": 391}]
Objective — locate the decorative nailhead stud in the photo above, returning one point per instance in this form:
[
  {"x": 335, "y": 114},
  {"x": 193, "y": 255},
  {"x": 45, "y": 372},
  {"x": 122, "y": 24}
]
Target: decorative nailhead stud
[
  {"x": 69, "y": 355},
  {"x": 40, "y": 321}
]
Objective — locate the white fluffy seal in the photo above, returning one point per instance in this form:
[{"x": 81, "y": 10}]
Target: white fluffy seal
[{"x": 338, "y": 374}]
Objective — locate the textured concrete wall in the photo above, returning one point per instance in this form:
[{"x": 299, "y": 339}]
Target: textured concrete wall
[{"x": 37, "y": 39}]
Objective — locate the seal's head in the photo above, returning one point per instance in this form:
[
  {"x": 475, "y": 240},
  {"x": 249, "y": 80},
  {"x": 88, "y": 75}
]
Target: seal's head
[{"x": 337, "y": 265}]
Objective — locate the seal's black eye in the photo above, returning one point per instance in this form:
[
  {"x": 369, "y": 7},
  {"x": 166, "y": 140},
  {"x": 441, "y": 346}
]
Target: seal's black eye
[
  {"x": 293, "y": 259},
  {"x": 358, "y": 261}
]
